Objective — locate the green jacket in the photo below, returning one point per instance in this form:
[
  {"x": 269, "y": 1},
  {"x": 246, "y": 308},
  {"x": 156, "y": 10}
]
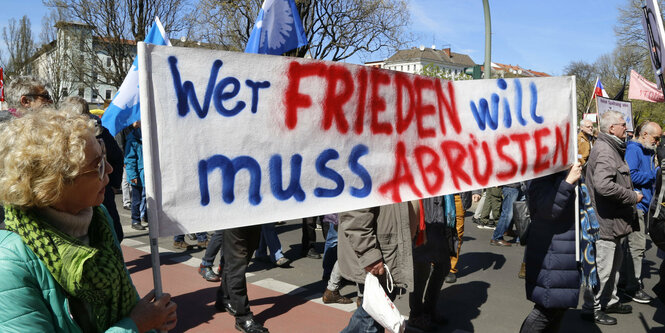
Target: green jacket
[{"x": 30, "y": 298}]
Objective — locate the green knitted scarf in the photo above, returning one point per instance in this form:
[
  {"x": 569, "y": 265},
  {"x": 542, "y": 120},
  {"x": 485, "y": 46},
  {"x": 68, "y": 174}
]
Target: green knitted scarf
[{"x": 94, "y": 274}]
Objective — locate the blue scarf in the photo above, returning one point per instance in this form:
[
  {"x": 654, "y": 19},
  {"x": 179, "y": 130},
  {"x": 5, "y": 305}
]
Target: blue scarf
[{"x": 589, "y": 229}]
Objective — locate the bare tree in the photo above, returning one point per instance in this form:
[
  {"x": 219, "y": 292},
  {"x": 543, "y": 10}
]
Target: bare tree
[
  {"x": 116, "y": 26},
  {"x": 433, "y": 70},
  {"x": 50, "y": 19},
  {"x": 585, "y": 75},
  {"x": 54, "y": 68},
  {"x": 225, "y": 23},
  {"x": 20, "y": 47},
  {"x": 628, "y": 28},
  {"x": 335, "y": 29}
]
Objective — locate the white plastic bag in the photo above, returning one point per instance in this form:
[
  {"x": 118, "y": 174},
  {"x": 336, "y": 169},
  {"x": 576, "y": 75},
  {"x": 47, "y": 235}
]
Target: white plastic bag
[{"x": 378, "y": 305}]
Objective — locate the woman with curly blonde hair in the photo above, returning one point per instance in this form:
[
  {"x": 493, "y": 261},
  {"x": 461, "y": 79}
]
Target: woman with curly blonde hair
[{"x": 61, "y": 267}]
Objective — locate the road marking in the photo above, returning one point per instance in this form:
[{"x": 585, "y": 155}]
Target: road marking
[
  {"x": 293, "y": 290},
  {"x": 178, "y": 257}
]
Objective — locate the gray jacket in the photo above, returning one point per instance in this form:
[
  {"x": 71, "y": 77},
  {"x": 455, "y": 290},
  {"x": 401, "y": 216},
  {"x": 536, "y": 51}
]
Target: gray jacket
[
  {"x": 610, "y": 187},
  {"x": 368, "y": 235}
]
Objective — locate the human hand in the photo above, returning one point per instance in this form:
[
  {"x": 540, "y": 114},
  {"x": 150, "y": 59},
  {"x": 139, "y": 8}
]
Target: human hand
[
  {"x": 640, "y": 196},
  {"x": 376, "y": 268},
  {"x": 134, "y": 181},
  {"x": 159, "y": 315},
  {"x": 575, "y": 173},
  {"x": 475, "y": 197}
]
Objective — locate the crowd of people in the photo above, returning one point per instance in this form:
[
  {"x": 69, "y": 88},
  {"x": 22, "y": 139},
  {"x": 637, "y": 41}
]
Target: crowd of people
[{"x": 60, "y": 245}]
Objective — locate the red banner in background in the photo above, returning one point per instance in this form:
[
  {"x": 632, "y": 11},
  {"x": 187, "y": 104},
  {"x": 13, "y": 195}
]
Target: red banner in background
[
  {"x": 643, "y": 89},
  {"x": 2, "y": 87}
]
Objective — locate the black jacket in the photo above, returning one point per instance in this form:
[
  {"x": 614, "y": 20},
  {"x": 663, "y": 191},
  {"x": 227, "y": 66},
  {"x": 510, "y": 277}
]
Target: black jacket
[{"x": 552, "y": 278}]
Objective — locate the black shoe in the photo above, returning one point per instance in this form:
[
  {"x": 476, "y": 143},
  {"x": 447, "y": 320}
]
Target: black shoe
[
  {"x": 599, "y": 317},
  {"x": 451, "y": 278},
  {"x": 312, "y": 253},
  {"x": 225, "y": 306},
  {"x": 137, "y": 226},
  {"x": 619, "y": 308},
  {"x": 250, "y": 326},
  {"x": 640, "y": 296}
]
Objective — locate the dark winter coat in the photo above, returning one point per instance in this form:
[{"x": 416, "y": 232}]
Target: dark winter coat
[
  {"x": 610, "y": 188},
  {"x": 552, "y": 278}
]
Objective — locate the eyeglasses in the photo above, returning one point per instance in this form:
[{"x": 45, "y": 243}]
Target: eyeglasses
[
  {"x": 620, "y": 124},
  {"x": 101, "y": 166},
  {"x": 46, "y": 96}
]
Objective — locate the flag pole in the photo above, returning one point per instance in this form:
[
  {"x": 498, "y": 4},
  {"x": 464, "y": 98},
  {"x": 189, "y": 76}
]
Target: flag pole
[
  {"x": 147, "y": 128},
  {"x": 593, "y": 95},
  {"x": 577, "y": 192}
]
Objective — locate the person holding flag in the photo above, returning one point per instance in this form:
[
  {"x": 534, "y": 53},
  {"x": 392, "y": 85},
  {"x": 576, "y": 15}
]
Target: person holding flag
[{"x": 277, "y": 30}]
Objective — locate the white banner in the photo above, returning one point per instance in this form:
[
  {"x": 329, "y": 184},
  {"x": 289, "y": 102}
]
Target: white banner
[
  {"x": 605, "y": 104},
  {"x": 592, "y": 117},
  {"x": 236, "y": 139}
]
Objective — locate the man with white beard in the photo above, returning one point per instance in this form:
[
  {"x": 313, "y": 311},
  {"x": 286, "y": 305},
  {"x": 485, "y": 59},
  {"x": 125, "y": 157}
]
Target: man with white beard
[{"x": 640, "y": 156}]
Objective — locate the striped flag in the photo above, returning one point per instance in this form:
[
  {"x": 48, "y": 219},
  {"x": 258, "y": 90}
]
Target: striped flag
[
  {"x": 599, "y": 90},
  {"x": 125, "y": 108}
]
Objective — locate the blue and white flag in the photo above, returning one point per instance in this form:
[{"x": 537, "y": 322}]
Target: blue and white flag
[
  {"x": 124, "y": 108},
  {"x": 278, "y": 29}
]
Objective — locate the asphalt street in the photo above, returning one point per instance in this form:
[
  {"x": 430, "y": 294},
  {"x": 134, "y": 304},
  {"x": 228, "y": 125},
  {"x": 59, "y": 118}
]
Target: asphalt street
[{"x": 487, "y": 297}]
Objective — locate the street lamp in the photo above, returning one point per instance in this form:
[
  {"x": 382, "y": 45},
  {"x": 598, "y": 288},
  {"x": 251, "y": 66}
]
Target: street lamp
[{"x": 488, "y": 40}]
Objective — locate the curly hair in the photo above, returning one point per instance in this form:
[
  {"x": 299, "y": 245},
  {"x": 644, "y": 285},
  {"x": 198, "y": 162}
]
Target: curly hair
[{"x": 39, "y": 154}]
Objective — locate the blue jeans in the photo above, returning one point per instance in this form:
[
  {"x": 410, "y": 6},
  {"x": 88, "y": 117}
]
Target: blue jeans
[
  {"x": 269, "y": 241},
  {"x": 330, "y": 251},
  {"x": 362, "y": 322},
  {"x": 510, "y": 195},
  {"x": 214, "y": 247},
  {"x": 138, "y": 203}
]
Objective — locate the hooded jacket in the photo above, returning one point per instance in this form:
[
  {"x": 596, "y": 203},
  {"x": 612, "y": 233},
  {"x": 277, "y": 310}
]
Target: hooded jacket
[{"x": 610, "y": 187}]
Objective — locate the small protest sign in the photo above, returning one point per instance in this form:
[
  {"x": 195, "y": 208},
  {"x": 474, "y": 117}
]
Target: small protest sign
[{"x": 606, "y": 104}]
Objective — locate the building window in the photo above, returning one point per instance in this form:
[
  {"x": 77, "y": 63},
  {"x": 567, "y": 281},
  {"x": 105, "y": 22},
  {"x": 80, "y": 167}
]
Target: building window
[
  {"x": 65, "y": 93},
  {"x": 94, "y": 95},
  {"x": 108, "y": 62},
  {"x": 94, "y": 76},
  {"x": 81, "y": 92},
  {"x": 108, "y": 94}
]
